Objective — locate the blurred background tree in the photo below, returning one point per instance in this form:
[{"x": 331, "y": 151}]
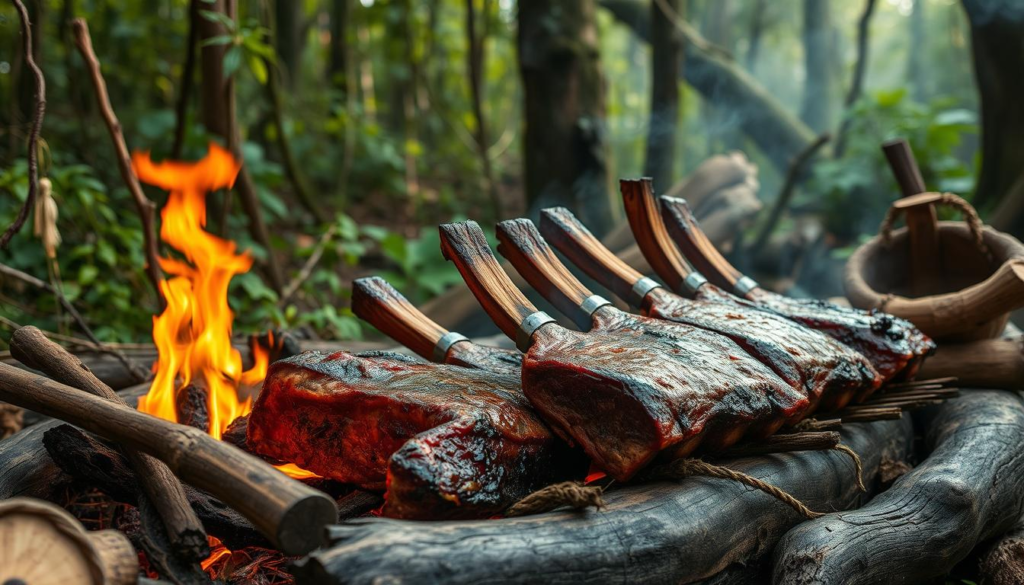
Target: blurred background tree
[{"x": 364, "y": 123}]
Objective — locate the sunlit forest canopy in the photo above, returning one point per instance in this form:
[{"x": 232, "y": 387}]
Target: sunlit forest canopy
[{"x": 364, "y": 123}]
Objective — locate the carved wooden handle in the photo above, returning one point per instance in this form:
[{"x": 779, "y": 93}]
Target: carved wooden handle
[
  {"x": 464, "y": 244},
  {"x": 650, "y": 233},
  {"x": 379, "y": 304},
  {"x": 904, "y": 166},
  {"x": 524, "y": 247},
  {"x": 566, "y": 233},
  {"x": 688, "y": 235}
]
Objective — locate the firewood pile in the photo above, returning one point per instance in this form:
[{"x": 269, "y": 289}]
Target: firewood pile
[{"x": 701, "y": 429}]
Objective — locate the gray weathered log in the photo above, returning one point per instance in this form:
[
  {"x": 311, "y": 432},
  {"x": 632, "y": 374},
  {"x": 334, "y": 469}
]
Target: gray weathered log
[
  {"x": 663, "y": 532},
  {"x": 1003, "y": 564},
  {"x": 969, "y": 489}
]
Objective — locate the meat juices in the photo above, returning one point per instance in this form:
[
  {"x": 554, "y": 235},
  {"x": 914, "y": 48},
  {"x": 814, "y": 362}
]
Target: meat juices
[
  {"x": 811, "y": 362},
  {"x": 379, "y": 304},
  {"x": 893, "y": 345},
  {"x": 631, "y": 387},
  {"x": 444, "y": 441}
]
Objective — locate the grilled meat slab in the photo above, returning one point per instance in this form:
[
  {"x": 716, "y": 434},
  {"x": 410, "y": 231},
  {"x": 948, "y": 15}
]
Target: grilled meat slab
[{"x": 444, "y": 441}]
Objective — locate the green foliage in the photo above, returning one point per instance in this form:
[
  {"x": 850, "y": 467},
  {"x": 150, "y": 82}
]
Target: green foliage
[{"x": 854, "y": 191}]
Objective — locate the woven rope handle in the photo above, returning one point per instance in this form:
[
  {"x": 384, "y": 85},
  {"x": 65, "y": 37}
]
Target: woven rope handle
[{"x": 968, "y": 212}]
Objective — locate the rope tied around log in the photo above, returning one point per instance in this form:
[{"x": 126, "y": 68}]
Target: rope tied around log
[
  {"x": 682, "y": 468},
  {"x": 571, "y": 494},
  {"x": 968, "y": 212}
]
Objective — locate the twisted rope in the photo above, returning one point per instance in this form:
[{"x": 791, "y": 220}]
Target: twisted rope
[
  {"x": 681, "y": 468},
  {"x": 856, "y": 465},
  {"x": 570, "y": 494},
  {"x": 968, "y": 212}
]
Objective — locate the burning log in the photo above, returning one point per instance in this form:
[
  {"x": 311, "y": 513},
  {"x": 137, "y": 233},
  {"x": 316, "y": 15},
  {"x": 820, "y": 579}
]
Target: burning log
[
  {"x": 967, "y": 491},
  {"x": 288, "y": 513},
  {"x": 44, "y": 544},
  {"x": 676, "y": 532},
  {"x": 186, "y": 534}
]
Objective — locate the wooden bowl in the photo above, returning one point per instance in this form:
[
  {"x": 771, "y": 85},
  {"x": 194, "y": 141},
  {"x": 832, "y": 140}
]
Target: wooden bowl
[{"x": 969, "y": 295}]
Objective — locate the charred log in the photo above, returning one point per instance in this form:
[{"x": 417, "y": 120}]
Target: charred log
[
  {"x": 658, "y": 533},
  {"x": 970, "y": 488}
]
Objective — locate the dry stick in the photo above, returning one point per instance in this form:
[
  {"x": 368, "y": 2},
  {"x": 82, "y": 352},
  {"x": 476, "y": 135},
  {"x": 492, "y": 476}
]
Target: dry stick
[
  {"x": 37, "y": 125},
  {"x": 813, "y": 424},
  {"x": 310, "y": 264},
  {"x": 145, "y": 207},
  {"x": 681, "y": 468},
  {"x": 784, "y": 443},
  {"x": 292, "y": 515},
  {"x": 916, "y": 383},
  {"x": 793, "y": 174},
  {"x": 871, "y": 415},
  {"x": 33, "y": 281},
  {"x": 185, "y": 531}
]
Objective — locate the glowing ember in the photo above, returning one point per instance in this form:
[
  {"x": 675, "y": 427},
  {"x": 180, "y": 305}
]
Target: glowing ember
[{"x": 217, "y": 552}]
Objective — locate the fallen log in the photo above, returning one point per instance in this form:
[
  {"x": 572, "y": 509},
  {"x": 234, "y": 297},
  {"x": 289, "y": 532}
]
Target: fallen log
[
  {"x": 288, "y": 513},
  {"x": 1003, "y": 564},
  {"x": 185, "y": 532},
  {"x": 988, "y": 363},
  {"x": 660, "y": 532},
  {"x": 969, "y": 489}
]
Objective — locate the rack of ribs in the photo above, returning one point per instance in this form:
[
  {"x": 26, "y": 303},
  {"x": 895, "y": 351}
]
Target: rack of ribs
[
  {"x": 893, "y": 346},
  {"x": 631, "y": 387},
  {"x": 828, "y": 373},
  {"x": 442, "y": 441}
]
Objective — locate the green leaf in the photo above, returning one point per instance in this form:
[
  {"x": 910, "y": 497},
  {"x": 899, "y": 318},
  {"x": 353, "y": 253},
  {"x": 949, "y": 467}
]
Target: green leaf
[
  {"x": 258, "y": 68},
  {"x": 218, "y": 40},
  {"x": 232, "y": 60},
  {"x": 87, "y": 274}
]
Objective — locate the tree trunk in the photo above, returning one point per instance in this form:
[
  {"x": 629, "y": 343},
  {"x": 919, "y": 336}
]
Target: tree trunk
[
  {"x": 289, "y": 29},
  {"x": 820, "y": 91},
  {"x": 997, "y": 41},
  {"x": 218, "y": 104},
  {"x": 187, "y": 80},
  {"x": 917, "y": 76},
  {"x": 476, "y": 69},
  {"x": 337, "y": 69},
  {"x": 778, "y": 133},
  {"x": 666, "y": 62},
  {"x": 565, "y": 144},
  {"x": 756, "y": 31}
]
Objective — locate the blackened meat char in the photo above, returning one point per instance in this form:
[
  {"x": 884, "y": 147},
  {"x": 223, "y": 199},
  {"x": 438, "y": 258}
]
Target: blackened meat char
[
  {"x": 830, "y": 373},
  {"x": 444, "y": 441},
  {"x": 634, "y": 386},
  {"x": 894, "y": 346}
]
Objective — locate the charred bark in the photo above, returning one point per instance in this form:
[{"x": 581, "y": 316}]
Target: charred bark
[
  {"x": 970, "y": 489},
  {"x": 565, "y": 143},
  {"x": 663, "y": 532}
]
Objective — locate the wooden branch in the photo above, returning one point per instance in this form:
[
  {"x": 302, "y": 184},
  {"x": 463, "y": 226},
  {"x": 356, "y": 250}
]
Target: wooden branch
[
  {"x": 793, "y": 173},
  {"x": 784, "y": 443},
  {"x": 288, "y": 513},
  {"x": 28, "y": 51},
  {"x": 967, "y": 491},
  {"x": 988, "y": 363},
  {"x": 307, "y": 268},
  {"x": 674, "y": 532},
  {"x": 146, "y": 208},
  {"x": 184, "y": 530}
]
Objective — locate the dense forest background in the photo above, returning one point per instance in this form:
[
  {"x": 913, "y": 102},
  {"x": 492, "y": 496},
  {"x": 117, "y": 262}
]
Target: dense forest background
[{"x": 364, "y": 123}]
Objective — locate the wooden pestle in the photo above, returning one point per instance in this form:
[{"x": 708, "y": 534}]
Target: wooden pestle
[{"x": 922, "y": 220}]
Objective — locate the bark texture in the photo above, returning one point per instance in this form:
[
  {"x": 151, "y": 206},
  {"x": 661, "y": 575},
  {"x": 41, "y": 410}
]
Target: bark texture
[
  {"x": 664, "y": 532},
  {"x": 970, "y": 489},
  {"x": 565, "y": 143}
]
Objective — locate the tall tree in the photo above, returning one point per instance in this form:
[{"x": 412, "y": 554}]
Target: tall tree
[
  {"x": 821, "y": 92},
  {"x": 339, "y": 54},
  {"x": 565, "y": 144},
  {"x": 289, "y": 37},
  {"x": 997, "y": 41},
  {"x": 666, "y": 62},
  {"x": 219, "y": 118},
  {"x": 476, "y": 54},
  {"x": 916, "y": 73}
]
